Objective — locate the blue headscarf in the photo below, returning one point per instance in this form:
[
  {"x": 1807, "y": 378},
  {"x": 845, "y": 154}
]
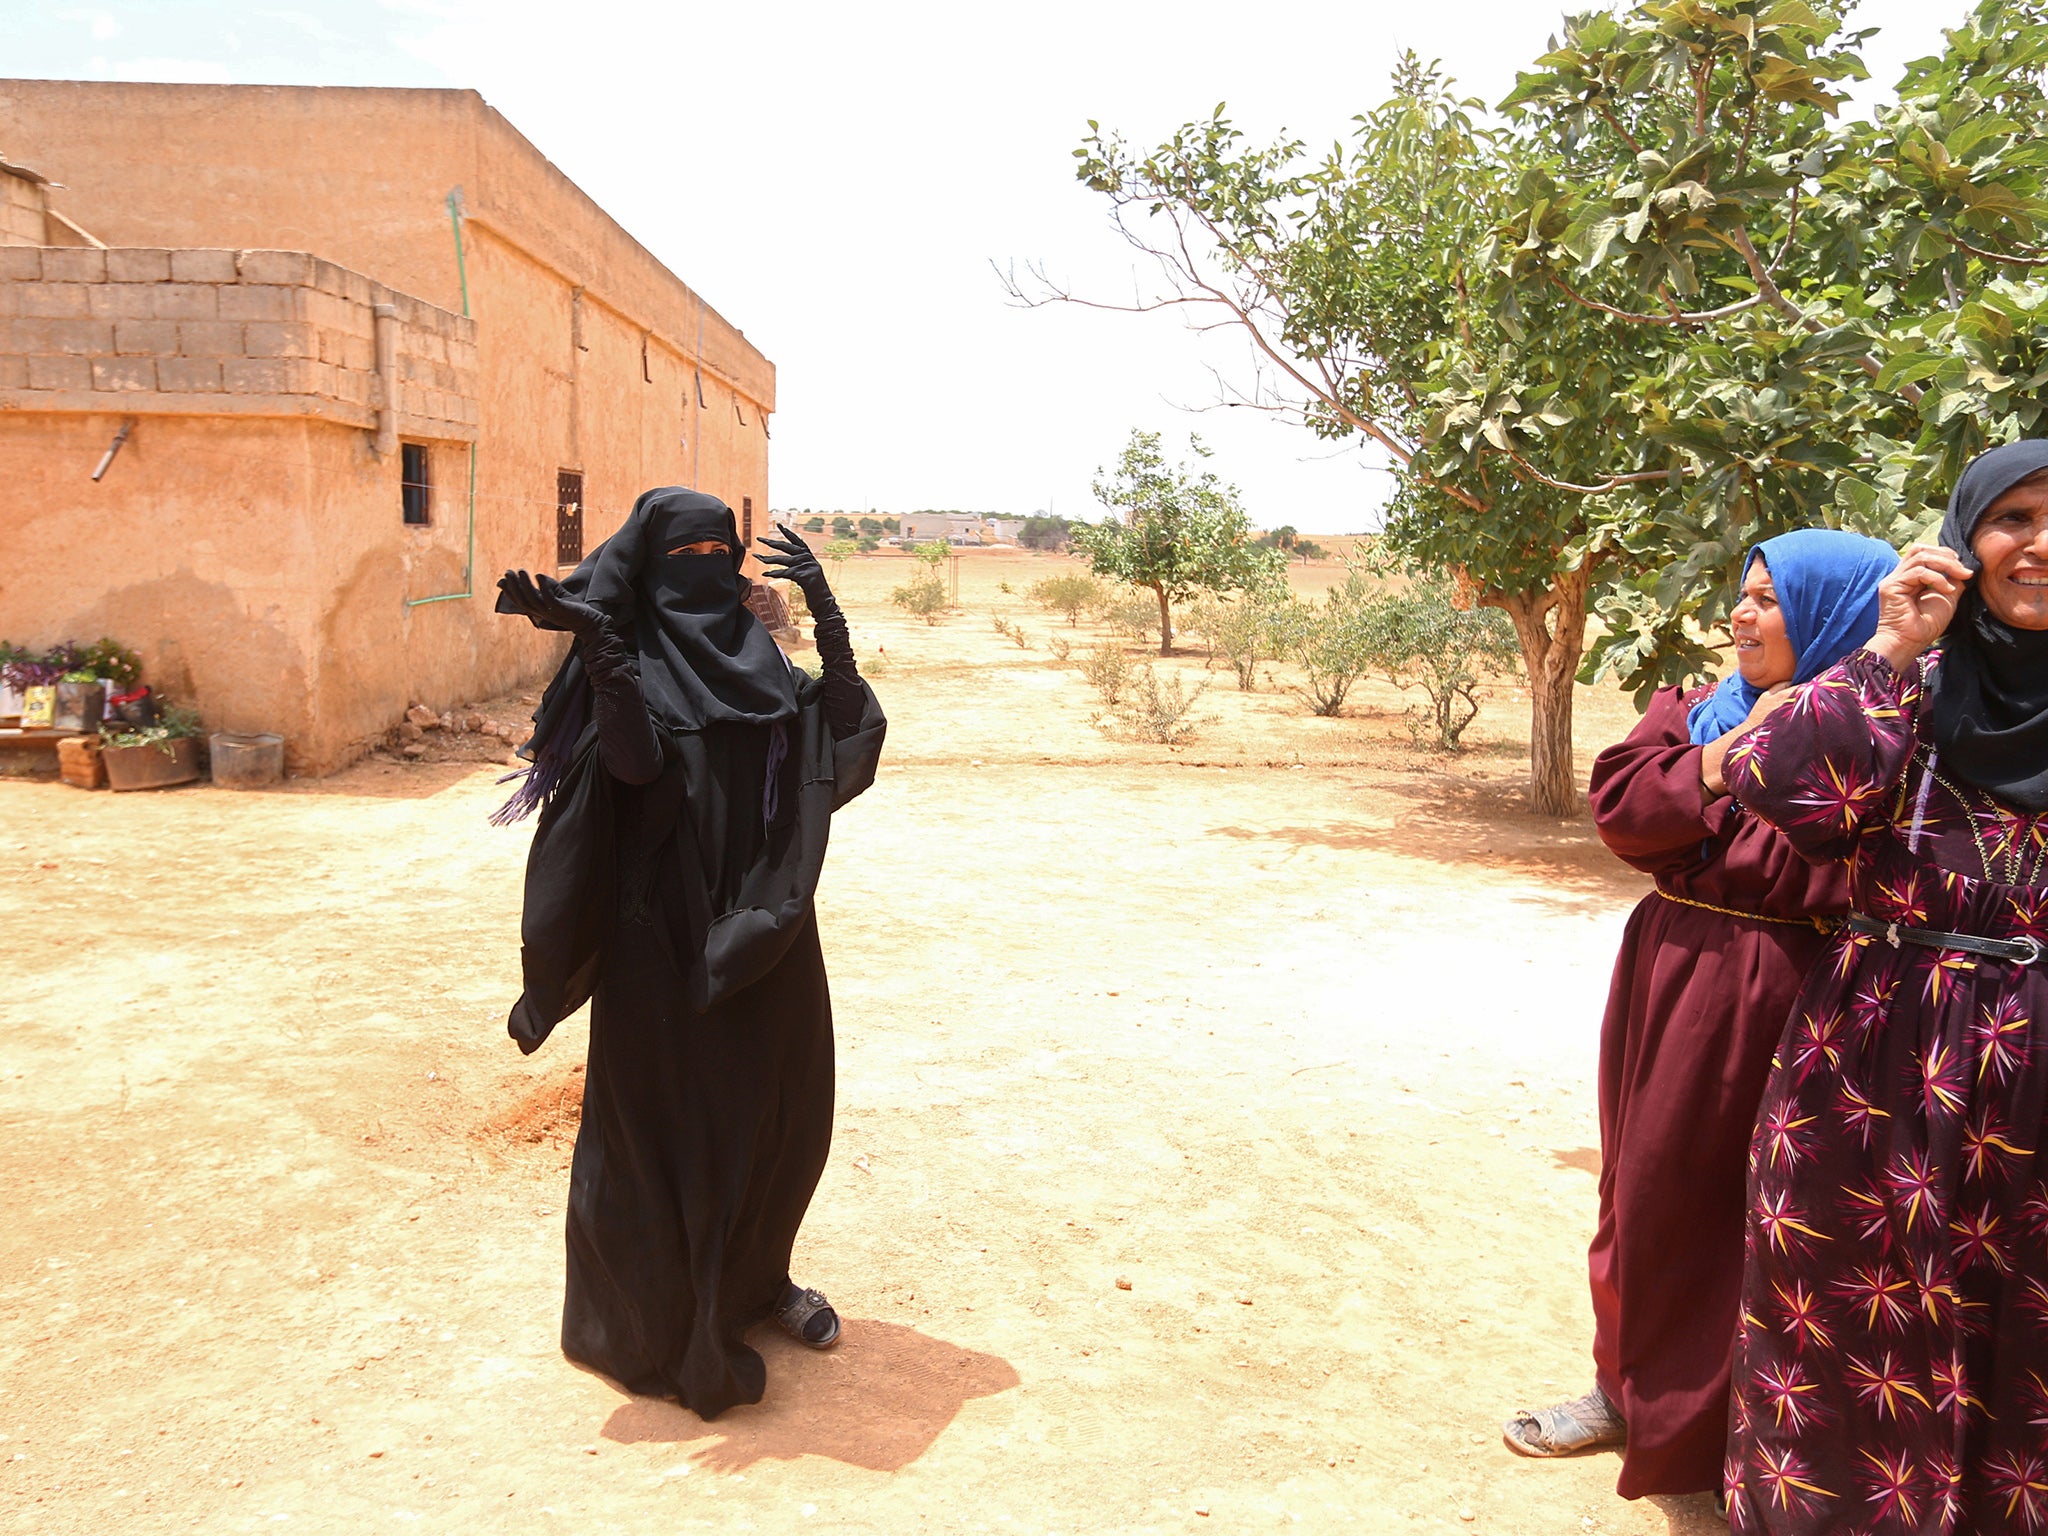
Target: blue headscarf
[{"x": 1827, "y": 585}]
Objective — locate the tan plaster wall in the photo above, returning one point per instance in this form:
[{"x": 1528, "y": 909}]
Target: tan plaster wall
[
  {"x": 21, "y": 211},
  {"x": 278, "y": 606},
  {"x": 360, "y": 177}
]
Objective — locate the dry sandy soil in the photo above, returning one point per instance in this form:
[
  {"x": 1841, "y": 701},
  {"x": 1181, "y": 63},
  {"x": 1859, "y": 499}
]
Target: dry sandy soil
[{"x": 1292, "y": 1030}]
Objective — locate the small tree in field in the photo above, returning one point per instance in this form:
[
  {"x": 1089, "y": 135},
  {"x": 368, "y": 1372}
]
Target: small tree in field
[
  {"x": 1131, "y": 610},
  {"x": 1072, "y": 594},
  {"x": 1162, "y": 712},
  {"x": 923, "y": 595},
  {"x": 1250, "y": 629},
  {"x": 1423, "y": 639},
  {"x": 1178, "y": 531},
  {"x": 1337, "y": 641},
  {"x": 838, "y": 550},
  {"x": 934, "y": 553}
]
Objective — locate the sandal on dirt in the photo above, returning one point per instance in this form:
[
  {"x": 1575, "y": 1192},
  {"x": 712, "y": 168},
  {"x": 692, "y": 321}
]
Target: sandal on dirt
[
  {"x": 1588, "y": 1423},
  {"x": 806, "y": 1316}
]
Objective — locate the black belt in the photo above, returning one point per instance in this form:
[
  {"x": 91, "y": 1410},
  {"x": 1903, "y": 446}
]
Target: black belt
[{"x": 2025, "y": 950}]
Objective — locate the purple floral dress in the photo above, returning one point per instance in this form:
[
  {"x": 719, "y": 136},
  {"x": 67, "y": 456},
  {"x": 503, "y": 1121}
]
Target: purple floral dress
[{"x": 1891, "y": 1368}]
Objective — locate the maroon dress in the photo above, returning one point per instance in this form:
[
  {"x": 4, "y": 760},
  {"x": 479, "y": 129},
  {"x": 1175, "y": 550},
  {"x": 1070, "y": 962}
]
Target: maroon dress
[
  {"x": 1892, "y": 1369},
  {"x": 1698, "y": 1002}
]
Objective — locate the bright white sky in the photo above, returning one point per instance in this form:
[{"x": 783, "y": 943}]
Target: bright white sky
[{"x": 837, "y": 178}]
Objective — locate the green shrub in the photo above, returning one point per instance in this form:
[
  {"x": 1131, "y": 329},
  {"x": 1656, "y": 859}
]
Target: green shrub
[
  {"x": 1162, "y": 712},
  {"x": 1425, "y": 640},
  {"x": 1108, "y": 671},
  {"x": 1258, "y": 626},
  {"x": 1337, "y": 641},
  {"x": 923, "y": 595},
  {"x": 1133, "y": 610},
  {"x": 1071, "y": 594}
]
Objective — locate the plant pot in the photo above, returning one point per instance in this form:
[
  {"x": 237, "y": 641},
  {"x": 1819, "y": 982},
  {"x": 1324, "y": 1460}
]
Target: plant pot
[
  {"x": 80, "y": 706},
  {"x": 10, "y": 704},
  {"x": 246, "y": 761},
  {"x": 154, "y": 765}
]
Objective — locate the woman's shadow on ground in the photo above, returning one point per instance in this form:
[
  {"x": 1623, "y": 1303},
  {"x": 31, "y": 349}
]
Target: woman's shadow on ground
[{"x": 877, "y": 1400}]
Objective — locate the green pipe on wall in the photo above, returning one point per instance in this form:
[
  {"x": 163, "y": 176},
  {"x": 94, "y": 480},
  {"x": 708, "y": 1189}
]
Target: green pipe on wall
[{"x": 469, "y": 560}]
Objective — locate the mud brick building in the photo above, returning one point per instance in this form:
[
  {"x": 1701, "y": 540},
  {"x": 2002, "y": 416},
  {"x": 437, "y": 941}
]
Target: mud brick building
[{"x": 361, "y": 350}]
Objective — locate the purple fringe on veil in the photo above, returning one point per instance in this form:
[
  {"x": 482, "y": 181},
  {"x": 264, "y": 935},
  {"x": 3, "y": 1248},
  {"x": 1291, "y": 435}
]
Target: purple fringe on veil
[
  {"x": 540, "y": 779},
  {"x": 771, "y": 791}
]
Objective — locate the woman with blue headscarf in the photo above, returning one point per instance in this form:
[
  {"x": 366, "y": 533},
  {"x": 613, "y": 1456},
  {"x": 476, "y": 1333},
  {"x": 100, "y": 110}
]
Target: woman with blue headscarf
[{"x": 1710, "y": 964}]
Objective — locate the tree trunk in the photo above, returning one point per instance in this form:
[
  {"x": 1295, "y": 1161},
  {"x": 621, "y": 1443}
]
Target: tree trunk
[
  {"x": 1165, "y": 623},
  {"x": 1551, "y": 626}
]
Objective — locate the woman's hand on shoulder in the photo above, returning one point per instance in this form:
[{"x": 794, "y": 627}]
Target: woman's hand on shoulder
[
  {"x": 1916, "y": 602},
  {"x": 1714, "y": 756},
  {"x": 1768, "y": 703}
]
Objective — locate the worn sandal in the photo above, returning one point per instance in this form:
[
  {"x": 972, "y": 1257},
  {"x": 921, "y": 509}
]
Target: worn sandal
[
  {"x": 806, "y": 1316},
  {"x": 1587, "y": 1423}
]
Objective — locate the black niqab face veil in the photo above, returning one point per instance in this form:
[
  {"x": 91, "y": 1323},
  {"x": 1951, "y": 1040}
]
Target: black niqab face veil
[
  {"x": 1989, "y": 713},
  {"x": 704, "y": 658}
]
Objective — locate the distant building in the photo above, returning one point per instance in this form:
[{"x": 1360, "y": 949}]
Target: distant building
[
  {"x": 362, "y": 350},
  {"x": 970, "y": 530}
]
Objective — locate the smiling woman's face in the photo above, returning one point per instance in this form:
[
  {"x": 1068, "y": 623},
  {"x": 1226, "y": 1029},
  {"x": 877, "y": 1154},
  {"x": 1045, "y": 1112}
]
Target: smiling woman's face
[
  {"x": 2011, "y": 542},
  {"x": 702, "y": 547},
  {"x": 1763, "y": 651}
]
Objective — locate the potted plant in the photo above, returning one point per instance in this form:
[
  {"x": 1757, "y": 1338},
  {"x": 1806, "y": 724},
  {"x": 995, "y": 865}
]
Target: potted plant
[
  {"x": 155, "y": 756},
  {"x": 81, "y": 701},
  {"x": 22, "y": 669}
]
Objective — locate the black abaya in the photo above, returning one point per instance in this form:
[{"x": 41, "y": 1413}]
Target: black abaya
[
  {"x": 678, "y": 900},
  {"x": 705, "y": 1130}
]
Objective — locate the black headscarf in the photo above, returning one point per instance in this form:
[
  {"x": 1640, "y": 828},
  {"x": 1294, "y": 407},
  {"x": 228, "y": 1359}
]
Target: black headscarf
[
  {"x": 1989, "y": 713},
  {"x": 704, "y": 659}
]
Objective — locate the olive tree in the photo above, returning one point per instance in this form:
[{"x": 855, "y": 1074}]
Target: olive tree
[{"x": 1176, "y": 531}]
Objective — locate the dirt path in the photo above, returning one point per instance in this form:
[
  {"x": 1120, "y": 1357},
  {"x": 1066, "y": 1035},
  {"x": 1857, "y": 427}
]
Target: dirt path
[{"x": 1303, "y": 1054}]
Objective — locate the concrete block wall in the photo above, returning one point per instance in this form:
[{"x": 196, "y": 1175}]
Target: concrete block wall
[{"x": 201, "y": 332}]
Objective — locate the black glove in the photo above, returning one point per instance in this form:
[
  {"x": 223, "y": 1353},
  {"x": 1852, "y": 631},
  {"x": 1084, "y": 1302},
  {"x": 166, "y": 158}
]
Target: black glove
[
  {"x": 789, "y": 558},
  {"x": 547, "y": 603},
  {"x": 625, "y": 733}
]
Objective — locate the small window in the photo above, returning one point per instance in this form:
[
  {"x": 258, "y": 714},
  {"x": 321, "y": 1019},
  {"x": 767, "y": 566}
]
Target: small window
[
  {"x": 416, "y": 491},
  {"x": 746, "y": 522},
  {"x": 569, "y": 517}
]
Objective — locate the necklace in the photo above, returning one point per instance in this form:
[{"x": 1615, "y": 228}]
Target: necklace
[{"x": 2014, "y": 873}]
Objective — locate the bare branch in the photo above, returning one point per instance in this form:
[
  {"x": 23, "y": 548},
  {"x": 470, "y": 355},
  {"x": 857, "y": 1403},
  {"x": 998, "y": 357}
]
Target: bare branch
[
  {"x": 1768, "y": 288},
  {"x": 1615, "y": 123},
  {"x": 1675, "y": 317},
  {"x": 2037, "y": 259},
  {"x": 1611, "y": 483},
  {"x": 1791, "y": 233}
]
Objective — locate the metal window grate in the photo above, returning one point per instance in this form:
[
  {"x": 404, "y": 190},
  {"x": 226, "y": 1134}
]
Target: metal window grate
[
  {"x": 569, "y": 517},
  {"x": 746, "y": 522},
  {"x": 415, "y": 489}
]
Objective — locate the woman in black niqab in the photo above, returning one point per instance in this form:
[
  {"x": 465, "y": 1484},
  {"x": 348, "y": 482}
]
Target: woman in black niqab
[
  {"x": 686, "y": 777},
  {"x": 1989, "y": 711}
]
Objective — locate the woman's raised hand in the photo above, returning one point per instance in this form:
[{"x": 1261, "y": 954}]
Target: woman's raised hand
[
  {"x": 548, "y": 602},
  {"x": 1916, "y": 602},
  {"x": 789, "y": 558}
]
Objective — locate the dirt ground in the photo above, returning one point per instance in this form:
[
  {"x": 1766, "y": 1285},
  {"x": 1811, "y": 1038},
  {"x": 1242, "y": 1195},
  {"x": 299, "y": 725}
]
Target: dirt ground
[{"x": 1291, "y": 1030}]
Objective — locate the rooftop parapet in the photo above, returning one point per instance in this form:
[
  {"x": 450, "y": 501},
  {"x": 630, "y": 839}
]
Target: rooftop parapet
[{"x": 196, "y": 332}]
